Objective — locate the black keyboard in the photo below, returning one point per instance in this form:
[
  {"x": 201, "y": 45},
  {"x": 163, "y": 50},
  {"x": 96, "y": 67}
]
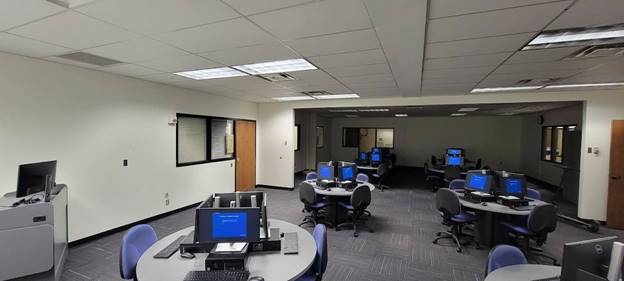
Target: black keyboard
[
  {"x": 168, "y": 251},
  {"x": 217, "y": 275}
]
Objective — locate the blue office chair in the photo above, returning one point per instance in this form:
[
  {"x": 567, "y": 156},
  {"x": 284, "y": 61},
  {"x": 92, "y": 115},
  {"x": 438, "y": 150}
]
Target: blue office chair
[
  {"x": 317, "y": 270},
  {"x": 504, "y": 255},
  {"x": 542, "y": 220},
  {"x": 534, "y": 194},
  {"x": 311, "y": 176},
  {"x": 134, "y": 243},
  {"x": 360, "y": 199},
  {"x": 361, "y": 177},
  {"x": 457, "y": 184},
  {"x": 447, "y": 202},
  {"x": 312, "y": 203}
]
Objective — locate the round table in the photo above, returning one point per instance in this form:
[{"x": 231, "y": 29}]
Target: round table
[
  {"x": 524, "y": 272},
  {"x": 337, "y": 191},
  {"x": 440, "y": 170},
  {"x": 273, "y": 266},
  {"x": 367, "y": 168}
]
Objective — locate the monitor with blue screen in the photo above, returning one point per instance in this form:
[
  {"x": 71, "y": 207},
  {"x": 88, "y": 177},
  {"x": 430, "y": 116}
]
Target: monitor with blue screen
[
  {"x": 478, "y": 182},
  {"x": 376, "y": 157},
  {"x": 227, "y": 225},
  {"x": 347, "y": 173},
  {"x": 514, "y": 185},
  {"x": 363, "y": 156},
  {"x": 455, "y": 151},
  {"x": 376, "y": 150},
  {"x": 325, "y": 172},
  {"x": 454, "y": 161}
]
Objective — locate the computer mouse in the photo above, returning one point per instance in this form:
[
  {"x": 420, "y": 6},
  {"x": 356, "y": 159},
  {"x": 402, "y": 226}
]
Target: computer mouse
[
  {"x": 187, "y": 255},
  {"x": 484, "y": 204},
  {"x": 256, "y": 278}
]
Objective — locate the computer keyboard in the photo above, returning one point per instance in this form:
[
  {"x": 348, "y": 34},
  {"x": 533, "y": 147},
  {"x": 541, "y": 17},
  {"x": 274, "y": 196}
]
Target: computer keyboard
[
  {"x": 291, "y": 243},
  {"x": 217, "y": 275},
  {"x": 168, "y": 251}
]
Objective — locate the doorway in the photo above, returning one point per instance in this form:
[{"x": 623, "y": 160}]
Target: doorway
[
  {"x": 245, "y": 155},
  {"x": 615, "y": 210}
]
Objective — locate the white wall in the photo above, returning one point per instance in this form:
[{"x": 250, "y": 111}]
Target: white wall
[
  {"x": 496, "y": 140},
  {"x": 89, "y": 121},
  {"x": 323, "y": 154},
  {"x": 276, "y": 157}
]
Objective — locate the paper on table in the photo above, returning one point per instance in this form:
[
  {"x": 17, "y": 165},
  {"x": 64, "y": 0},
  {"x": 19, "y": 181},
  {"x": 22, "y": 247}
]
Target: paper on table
[{"x": 230, "y": 247}]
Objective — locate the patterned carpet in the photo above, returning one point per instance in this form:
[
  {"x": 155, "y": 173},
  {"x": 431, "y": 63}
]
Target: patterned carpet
[{"x": 405, "y": 222}]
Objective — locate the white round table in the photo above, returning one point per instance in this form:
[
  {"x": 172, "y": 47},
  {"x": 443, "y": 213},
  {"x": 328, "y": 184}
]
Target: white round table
[
  {"x": 337, "y": 191},
  {"x": 524, "y": 272},
  {"x": 273, "y": 266},
  {"x": 368, "y": 168}
]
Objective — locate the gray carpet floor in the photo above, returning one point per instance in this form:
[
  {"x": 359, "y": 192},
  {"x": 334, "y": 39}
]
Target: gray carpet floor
[{"x": 405, "y": 222}]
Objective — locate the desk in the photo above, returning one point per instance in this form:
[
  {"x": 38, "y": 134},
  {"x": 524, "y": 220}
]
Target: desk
[
  {"x": 440, "y": 170},
  {"x": 524, "y": 272},
  {"x": 335, "y": 194},
  {"x": 273, "y": 266},
  {"x": 488, "y": 229},
  {"x": 367, "y": 168}
]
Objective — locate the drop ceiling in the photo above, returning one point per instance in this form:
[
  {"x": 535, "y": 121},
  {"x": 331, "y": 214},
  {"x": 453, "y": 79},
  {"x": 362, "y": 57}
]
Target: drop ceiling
[{"x": 377, "y": 49}]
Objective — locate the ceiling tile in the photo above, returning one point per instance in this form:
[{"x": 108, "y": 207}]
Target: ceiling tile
[
  {"x": 367, "y": 78},
  {"x": 129, "y": 70},
  {"x": 349, "y": 59},
  {"x": 18, "y": 12},
  {"x": 551, "y": 66},
  {"x": 371, "y": 85},
  {"x": 454, "y": 72},
  {"x": 157, "y": 16},
  {"x": 610, "y": 72},
  {"x": 509, "y": 21},
  {"x": 479, "y": 46},
  {"x": 73, "y": 30},
  {"x": 429, "y": 86},
  {"x": 452, "y": 80},
  {"x": 165, "y": 78},
  {"x": 247, "y": 7},
  {"x": 448, "y": 90},
  {"x": 317, "y": 18},
  {"x": 336, "y": 43},
  {"x": 466, "y": 61},
  {"x": 140, "y": 49},
  {"x": 380, "y": 68},
  {"x": 447, "y": 8},
  {"x": 379, "y": 92},
  {"x": 542, "y": 55},
  {"x": 252, "y": 54},
  {"x": 589, "y": 13},
  {"x": 217, "y": 36},
  {"x": 181, "y": 63},
  {"x": 70, "y": 62},
  {"x": 27, "y": 47},
  {"x": 311, "y": 75}
]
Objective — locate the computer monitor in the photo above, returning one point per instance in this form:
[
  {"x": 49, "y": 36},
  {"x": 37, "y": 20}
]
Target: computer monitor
[
  {"x": 375, "y": 157},
  {"x": 376, "y": 150},
  {"x": 363, "y": 156},
  {"x": 347, "y": 173},
  {"x": 454, "y": 161},
  {"x": 325, "y": 171},
  {"x": 227, "y": 225},
  {"x": 513, "y": 185},
  {"x": 35, "y": 177},
  {"x": 586, "y": 257},
  {"x": 455, "y": 151},
  {"x": 478, "y": 181}
]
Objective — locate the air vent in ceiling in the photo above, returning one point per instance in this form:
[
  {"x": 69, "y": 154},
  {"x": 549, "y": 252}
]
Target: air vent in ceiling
[
  {"x": 277, "y": 77},
  {"x": 89, "y": 59},
  {"x": 610, "y": 50},
  {"x": 532, "y": 82}
]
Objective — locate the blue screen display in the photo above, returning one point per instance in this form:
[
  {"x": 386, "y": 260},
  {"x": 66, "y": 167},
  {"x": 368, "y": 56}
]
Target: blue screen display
[
  {"x": 346, "y": 173},
  {"x": 325, "y": 172},
  {"x": 453, "y": 151},
  {"x": 477, "y": 182},
  {"x": 229, "y": 225},
  {"x": 454, "y": 161},
  {"x": 376, "y": 157},
  {"x": 363, "y": 156},
  {"x": 513, "y": 186},
  {"x": 376, "y": 150}
]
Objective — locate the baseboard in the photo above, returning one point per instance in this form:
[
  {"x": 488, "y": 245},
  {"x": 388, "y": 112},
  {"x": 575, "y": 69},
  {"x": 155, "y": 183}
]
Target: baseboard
[
  {"x": 275, "y": 187},
  {"x": 127, "y": 226}
]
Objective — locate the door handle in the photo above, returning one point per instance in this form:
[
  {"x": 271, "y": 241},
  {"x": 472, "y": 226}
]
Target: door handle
[{"x": 616, "y": 177}]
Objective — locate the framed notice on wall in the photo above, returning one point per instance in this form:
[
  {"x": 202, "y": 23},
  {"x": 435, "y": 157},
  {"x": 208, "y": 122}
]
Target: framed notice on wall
[{"x": 320, "y": 137}]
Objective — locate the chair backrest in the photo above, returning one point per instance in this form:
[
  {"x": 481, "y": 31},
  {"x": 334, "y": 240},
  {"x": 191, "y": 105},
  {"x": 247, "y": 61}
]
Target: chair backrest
[
  {"x": 426, "y": 168},
  {"x": 361, "y": 177},
  {"x": 361, "y": 197},
  {"x": 447, "y": 202},
  {"x": 311, "y": 176},
  {"x": 457, "y": 184},
  {"x": 320, "y": 237},
  {"x": 542, "y": 219},
  {"x": 307, "y": 194},
  {"x": 534, "y": 194},
  {"x": 382, "y": 169},
  {"x": 434, "y": 160},
  {"x": 134, "y": 243},
  {"x": 478, "y": 164},
  {"x": 452, "y": 172},
  {"x": 504, "y": 255}
]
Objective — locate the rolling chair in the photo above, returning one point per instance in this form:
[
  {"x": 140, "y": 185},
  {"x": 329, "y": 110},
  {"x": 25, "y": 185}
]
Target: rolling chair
[
  {"x": 478, "y": 164},
  {"x": 134, "y": 243},
  {"x": 451, "y": 173},
  {"x": 542, "y": 220},
  {"x": 317, "y": 270},
  {"x": 457, "y": 184},
  {"x": 504, "y": 255},
  {"x": 434, "y": 160},
  {"x": 360, "y": 199},
  {"x": 434, "y": 181},
  {"x": 361, "y": 177},
  {"x": 534, "y": 194},
  {"x": 447, "y": 202},
  {"x": 311, "y": 202},
  {"x": 380, "y": 176},
  {"x": 311, "y": 176}
]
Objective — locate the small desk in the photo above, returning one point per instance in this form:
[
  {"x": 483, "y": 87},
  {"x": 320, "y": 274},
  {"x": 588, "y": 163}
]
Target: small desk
[
  {"x": 335, "y": 194},
  {"x": 524, "y": 272},
  {"x": 273, "y": 266}
]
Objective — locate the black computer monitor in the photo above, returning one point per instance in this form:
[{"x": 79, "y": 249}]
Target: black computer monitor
[
  {"x": 33, "y": 178},
  {"x": 376, "y": 158},
  {"x": 227, "y": 225},
  {"x": 325, "y": 171},
  {"x": 478, "y": 181},
  {"x": 512, "y": 184},
  {"x": 591, "y": 256},
  {"x": 455, "y": 151},
  {"x": 347, "y": 173},
  {"x": 363, "y": 156},
  {"x": 454, "y": 161}
]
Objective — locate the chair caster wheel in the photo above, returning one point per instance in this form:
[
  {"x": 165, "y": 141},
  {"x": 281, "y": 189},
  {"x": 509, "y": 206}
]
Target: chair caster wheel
[
  {"x": 435, "y": 242},
  {"x": 356, "y": 234},
  {"x": 438, "y": 234},
  {"x": 371, "y": 231},
  {"x": 459, "y": 250}
]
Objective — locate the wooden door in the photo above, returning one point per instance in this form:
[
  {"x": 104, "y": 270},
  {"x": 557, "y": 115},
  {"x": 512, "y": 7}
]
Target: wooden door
[
  {"x": 245, "y": 155},
  {"x": 615, "y": 208}
]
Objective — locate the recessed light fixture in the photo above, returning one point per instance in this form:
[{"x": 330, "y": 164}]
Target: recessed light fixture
[
  {"x": 458, "y": 114},
  {"x": 400, "y": 115},
  {"x": 505, "y": 89},
  {"x": 578, "y": 37},
  {"x": 351, "y": 116},
  {"x": 336, "y": 96},
  {"x": 211, "y": 73},
  {"x": 373, "y": 110},
  {"x": 293, "y": 98},
  {"x": 342, "y": 110},
  {"x": 276, "y": 66},
  {"x": 609, "y": 84},
  {"x": 468, "y": 109}
]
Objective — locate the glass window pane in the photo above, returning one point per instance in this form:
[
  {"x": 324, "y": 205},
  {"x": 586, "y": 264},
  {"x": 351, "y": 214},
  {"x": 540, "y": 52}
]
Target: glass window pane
[
  {"x": 559, "y": 146},
  {"x": 547, "y": 143},
  {"x": 385, "y": 138},
  {"x": 222, "y": 135},
  {"x": 191, "y": 140}
]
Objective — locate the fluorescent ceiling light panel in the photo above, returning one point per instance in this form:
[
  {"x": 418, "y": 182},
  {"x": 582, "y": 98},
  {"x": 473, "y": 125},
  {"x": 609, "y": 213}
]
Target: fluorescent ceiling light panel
[
  {"x": 400, "y": 115},
  {"x": 505, "y": 89},
  {"x": 293, "y": 98},
  {"x": 337, "y": 96},
  {"x": 578, "y": 37},
  {"x": 276, "y": 66},
  {"x": 374, "y": 110},
  {"x": 458, "y": 114},
  {"x": 211, "y": 73},
  {"x": 468, "y": 109},
  {"x": 610, "y": 84}
]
